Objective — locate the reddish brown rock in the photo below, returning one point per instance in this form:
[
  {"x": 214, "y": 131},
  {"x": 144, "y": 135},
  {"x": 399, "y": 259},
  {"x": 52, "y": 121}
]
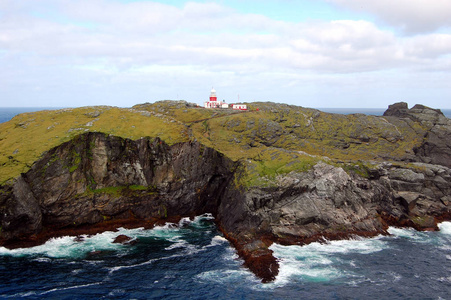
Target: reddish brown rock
[{"x": 122, "y": 239}]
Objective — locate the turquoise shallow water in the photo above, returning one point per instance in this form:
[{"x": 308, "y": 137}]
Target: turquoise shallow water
[{"x": 191, "y": 260}]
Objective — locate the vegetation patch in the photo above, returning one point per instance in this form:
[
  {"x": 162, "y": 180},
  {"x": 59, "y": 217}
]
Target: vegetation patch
[
  {"x": 270, "y": 163},
  {"x": 270, "y": 138}
]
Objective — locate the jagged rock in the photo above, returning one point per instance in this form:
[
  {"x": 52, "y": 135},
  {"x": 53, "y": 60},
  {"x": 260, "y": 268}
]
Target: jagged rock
[
  {"x": 436, "y": 147},
  {"x": 21, "y": 214},
  {"x": 97, "y": 179},
  {"x": 123, "y": 239},
  {"x": 399, "y": 110},
  {"x": 96, "y": 176}
]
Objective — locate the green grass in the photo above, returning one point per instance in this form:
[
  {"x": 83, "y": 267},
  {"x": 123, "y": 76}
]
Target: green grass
[
  {"x": 276, "y": 139},
  {"x": 264, "y": 169},
  {"x": 27, "y": 136}
]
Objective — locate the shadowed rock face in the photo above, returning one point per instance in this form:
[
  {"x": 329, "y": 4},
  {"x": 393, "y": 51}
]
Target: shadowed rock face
[
  {"x": 436, "y": 145},
  {"x": 328, "y": 202},
  {"x": 96, "y": 177},
  {"x": 97, "y": 181}
]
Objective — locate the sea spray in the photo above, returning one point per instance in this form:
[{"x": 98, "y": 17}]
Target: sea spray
[
  {"x": 79, "y": 247},
  {"x": 445, "y": 228},
  {"x": 406, "y": 264},
  {"x": 317, "y": 262}
]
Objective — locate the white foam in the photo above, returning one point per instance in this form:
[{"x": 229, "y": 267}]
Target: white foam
[
  {"x": 228, "y": 276},
  {"x": 72, "y": 247},
  {"x": 445, "y": 227},
  {"x": 19, "y": 295},
  {"x": 402, "y": 232},
  {"x": 411, "y": 234},
  {"x": 184, "y": 221},
  {"x": 316, "y": 261},
  {"x": 217, "y": 240},
  {"x": 148, "y": 262},
  {"x": 197, "y": 221},
  {"x": 56, "y": 247},
  {"x": 179, "y": 244},
  {"x": 206, "y": 216},
  {"x": 151, "y": 261},
  {"x": 303, "y": 262},
  {"x": 70, "y": 288},
  {"x": 231, "y": 255}
]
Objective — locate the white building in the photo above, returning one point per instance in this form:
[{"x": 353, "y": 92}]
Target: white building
[
  {"x": 239, "y": 106},
  {"x": 213, "y": 102}
]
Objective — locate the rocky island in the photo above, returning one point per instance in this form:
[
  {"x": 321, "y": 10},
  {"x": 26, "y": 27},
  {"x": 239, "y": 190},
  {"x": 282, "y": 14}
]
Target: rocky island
[{"x": 280, "y": 174}]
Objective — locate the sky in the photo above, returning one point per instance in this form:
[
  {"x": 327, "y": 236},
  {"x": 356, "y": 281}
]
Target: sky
[{"x": 311, "y": 53}]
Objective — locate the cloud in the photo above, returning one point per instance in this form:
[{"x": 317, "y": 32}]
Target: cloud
[
  {"x": 410, "y": 16},
  {"x": 78, "y": 46}
]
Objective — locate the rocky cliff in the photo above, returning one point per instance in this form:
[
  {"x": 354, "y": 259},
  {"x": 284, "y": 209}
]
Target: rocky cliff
[
  {"x": 98, "y": 178},
  {"x": 270, "y": 186}
]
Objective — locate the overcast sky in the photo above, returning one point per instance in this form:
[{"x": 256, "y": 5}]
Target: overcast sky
[{"x": 331, "y": 53}]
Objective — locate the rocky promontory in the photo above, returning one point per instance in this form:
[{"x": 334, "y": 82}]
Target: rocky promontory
[{"x": 282, "y": 174}]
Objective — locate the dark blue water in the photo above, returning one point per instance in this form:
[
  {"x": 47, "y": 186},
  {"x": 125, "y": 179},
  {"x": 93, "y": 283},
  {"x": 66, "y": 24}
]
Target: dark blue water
[
  {"x": 7, "y": 113},
  {"x": 191, "y": 260}
]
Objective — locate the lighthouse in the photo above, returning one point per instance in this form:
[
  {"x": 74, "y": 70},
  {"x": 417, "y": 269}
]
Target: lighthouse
[
  {"x": 213, "y": 95},
  {"x": 213, "y": 102}
]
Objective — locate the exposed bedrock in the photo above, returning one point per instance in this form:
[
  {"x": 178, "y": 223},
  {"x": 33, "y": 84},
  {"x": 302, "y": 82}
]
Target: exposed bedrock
[
  {"x": 98, "y": 181},
  {"x": 326, "y": 202},
  {"x": 96, "y": 178},
  {"x": 436, "y": 145}
]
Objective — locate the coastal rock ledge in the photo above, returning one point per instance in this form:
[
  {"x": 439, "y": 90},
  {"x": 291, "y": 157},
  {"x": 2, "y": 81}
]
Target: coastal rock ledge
[{"x": 97, "y": 182}]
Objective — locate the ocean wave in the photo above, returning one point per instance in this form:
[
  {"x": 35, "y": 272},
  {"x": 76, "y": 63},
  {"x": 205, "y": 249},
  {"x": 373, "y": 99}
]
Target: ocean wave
[
  {"x": 223, "y": 276},
  {"x": 57, "y": 289},
  {"x": 445, "y": 228},
  {"x": 79, "y": 247},
  {"x": 317, "y": 262},
  {"x": 70, "y": 288}
]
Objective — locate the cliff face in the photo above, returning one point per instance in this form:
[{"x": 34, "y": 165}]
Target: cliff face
[
  {"x": 328, "y": 202},
  {"x": 96, "y": 178},
  {"x": 436, "y": 145},
  {"x": 103, "y": 179}
]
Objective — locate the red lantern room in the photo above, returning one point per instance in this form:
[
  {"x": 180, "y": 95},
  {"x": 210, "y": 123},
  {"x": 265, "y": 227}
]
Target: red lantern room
[{"x": 213, "y": 95}]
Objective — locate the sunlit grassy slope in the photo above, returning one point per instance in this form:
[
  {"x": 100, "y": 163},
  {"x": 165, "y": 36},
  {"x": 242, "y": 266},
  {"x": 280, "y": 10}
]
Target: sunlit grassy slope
[
  {"x": 28, "y": 135},
  {"x": 269, "y": 139}
]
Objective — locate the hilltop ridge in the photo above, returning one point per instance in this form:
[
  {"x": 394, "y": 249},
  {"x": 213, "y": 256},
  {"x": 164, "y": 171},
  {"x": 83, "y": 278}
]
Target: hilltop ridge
[{"x": 275, "y": 129}]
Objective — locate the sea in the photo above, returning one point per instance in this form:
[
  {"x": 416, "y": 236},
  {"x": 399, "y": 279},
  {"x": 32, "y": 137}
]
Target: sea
[{"x": 192, "y": 260}]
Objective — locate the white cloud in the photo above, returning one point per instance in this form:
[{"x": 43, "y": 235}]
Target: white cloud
[
  {"x": 50, "y": 44},
  {"x": 411, "y": 16}
]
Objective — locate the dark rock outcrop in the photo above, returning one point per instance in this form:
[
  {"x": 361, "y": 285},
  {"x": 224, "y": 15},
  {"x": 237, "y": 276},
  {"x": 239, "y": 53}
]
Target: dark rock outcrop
[
  {"x": 123, "y": 239},
  {"x": 327, "y": 202},
  {"x": 436, "y": 145},
  {"x": 97, "y": 178},
  {"x": 97, "y": 181}
]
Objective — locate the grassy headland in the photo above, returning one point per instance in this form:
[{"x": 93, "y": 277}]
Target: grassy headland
[{"x": 275, "y": 139}]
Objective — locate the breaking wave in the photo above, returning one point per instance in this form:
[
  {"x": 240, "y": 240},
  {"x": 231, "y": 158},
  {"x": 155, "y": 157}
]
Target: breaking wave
[
  {"x": 80, "y": 246},
  {"x": 192, "y": 258}
]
